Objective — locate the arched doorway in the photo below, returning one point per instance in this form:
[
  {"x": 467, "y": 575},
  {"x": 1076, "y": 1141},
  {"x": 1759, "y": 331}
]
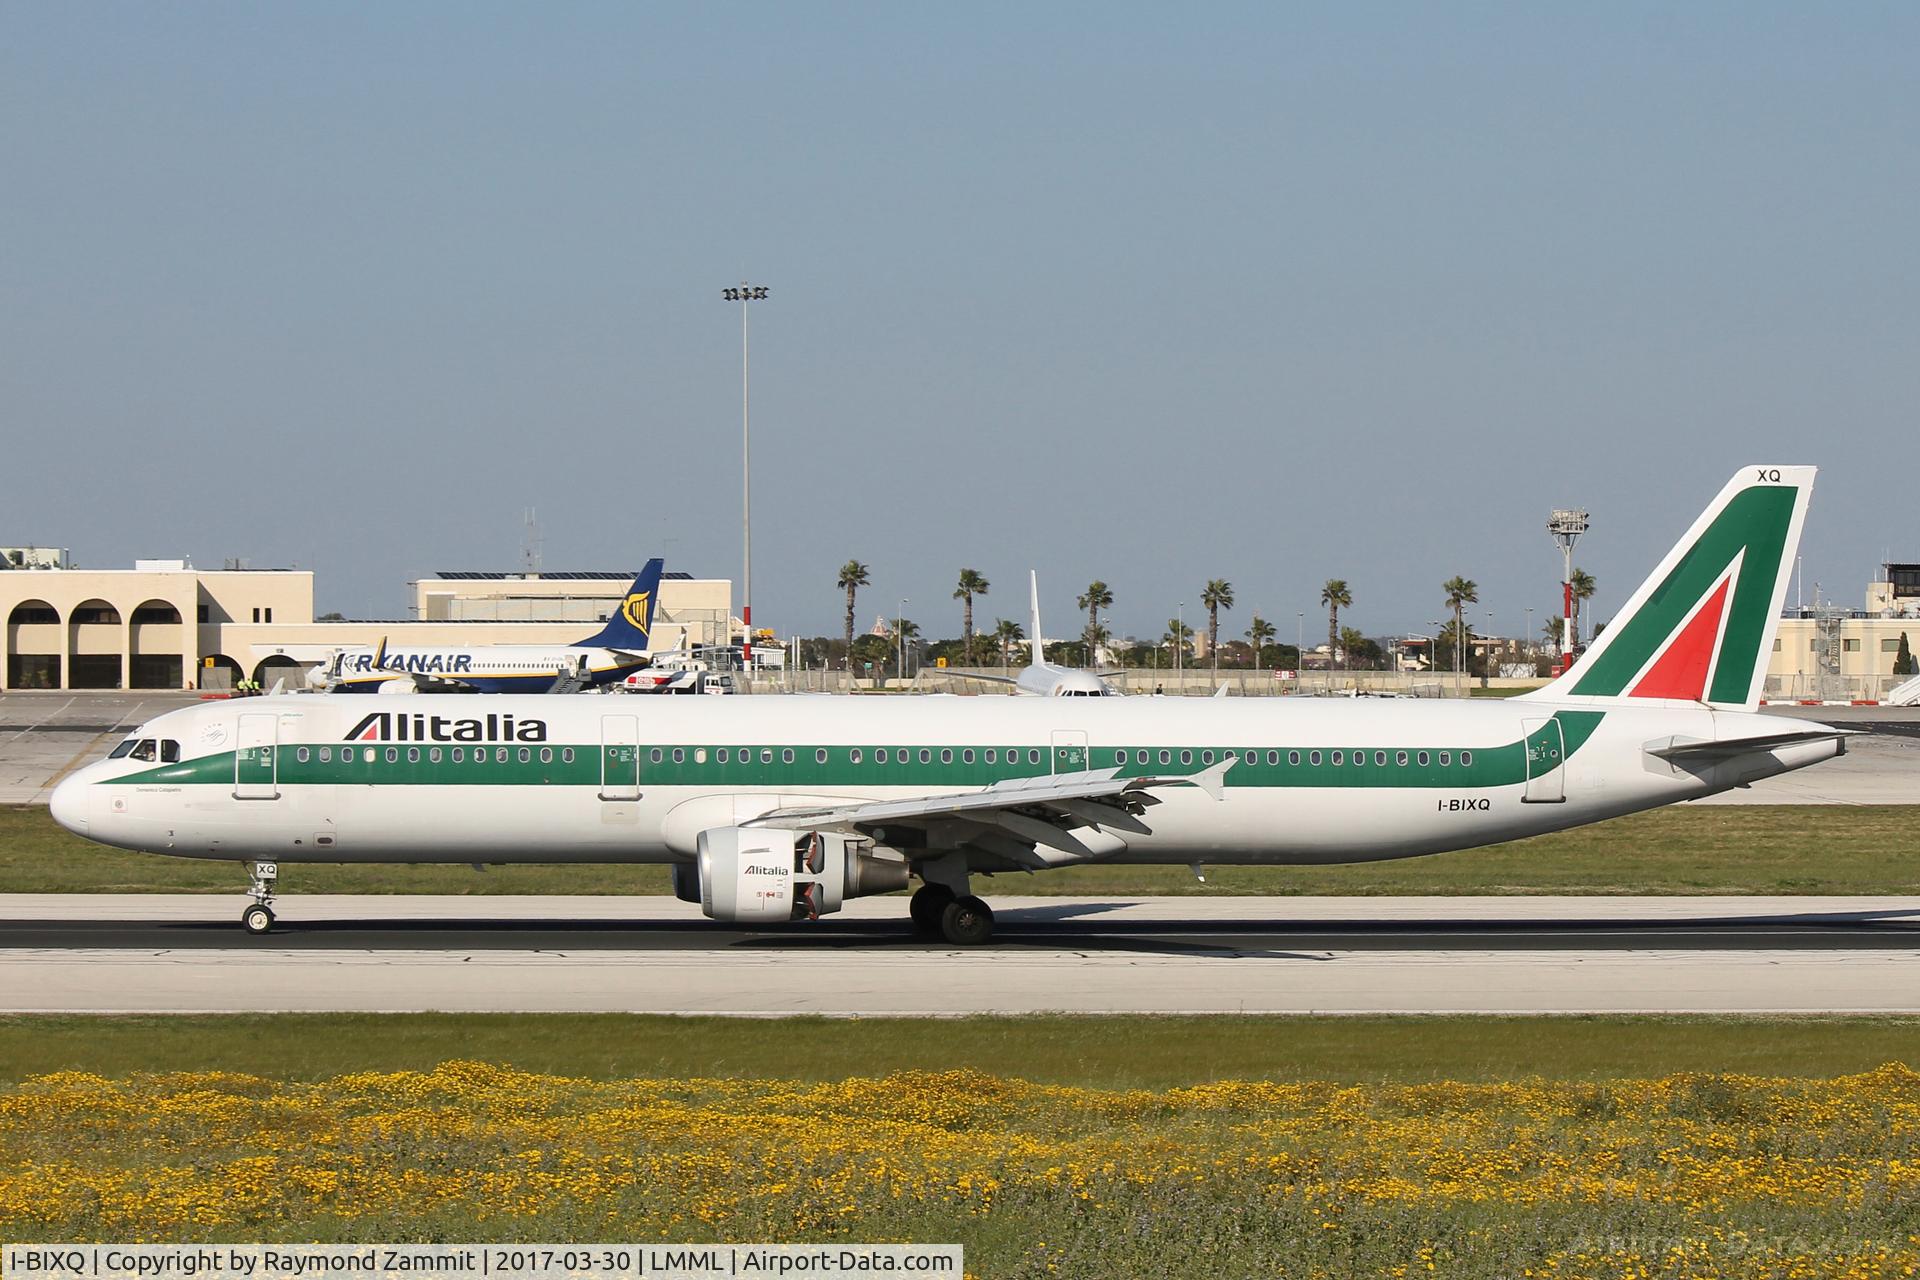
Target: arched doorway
[
  {"x": 280, "y": 667},
  {"x": 34, "y": 647},
  {"x": 218, "y": 671},
  {"x": 157, "y": 648},
  {"x": 95, "y": 653}
]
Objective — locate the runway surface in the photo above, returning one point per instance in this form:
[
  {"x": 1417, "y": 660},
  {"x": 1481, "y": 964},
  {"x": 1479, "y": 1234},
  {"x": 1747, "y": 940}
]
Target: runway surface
[{"x": 1147, "y": 955}]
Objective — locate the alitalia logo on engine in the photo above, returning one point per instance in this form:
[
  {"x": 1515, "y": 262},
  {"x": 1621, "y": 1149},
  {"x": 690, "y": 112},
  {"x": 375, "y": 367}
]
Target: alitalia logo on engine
[{"x": 401, "y": 726}]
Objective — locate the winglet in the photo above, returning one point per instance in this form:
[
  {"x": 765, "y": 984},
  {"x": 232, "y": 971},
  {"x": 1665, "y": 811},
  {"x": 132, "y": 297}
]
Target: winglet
[{"x": 1213, "y": 778}]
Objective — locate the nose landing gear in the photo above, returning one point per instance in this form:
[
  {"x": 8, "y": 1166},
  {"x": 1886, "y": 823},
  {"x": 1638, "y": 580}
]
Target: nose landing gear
[{"x": 258, "y": 918}]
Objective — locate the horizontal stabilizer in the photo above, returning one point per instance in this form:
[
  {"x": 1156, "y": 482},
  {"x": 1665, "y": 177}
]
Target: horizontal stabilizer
[{"x": 1702, "y": 751}]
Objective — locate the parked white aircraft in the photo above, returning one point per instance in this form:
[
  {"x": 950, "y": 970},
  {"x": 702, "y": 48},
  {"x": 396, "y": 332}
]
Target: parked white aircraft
[
  {"x": 1043, "y": 679},
  {"x": 619, "y": 647},
  {"x": 779, "y": 808}
]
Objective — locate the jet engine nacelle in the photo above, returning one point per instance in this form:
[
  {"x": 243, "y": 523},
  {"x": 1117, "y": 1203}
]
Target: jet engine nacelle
[{"x": 760, "y": 875}]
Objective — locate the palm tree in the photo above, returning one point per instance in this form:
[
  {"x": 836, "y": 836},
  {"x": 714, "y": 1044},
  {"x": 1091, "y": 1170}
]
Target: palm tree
[
  {"x": 971, "y": 585},
  {"x": 1178, "y": 634},
  {"x": 1007, "y": 632},
  {"x": 1217, "y": 595},
  {"x": 1583, "y": 586},
  {"x": 1461, "y": 592},
  {"x": 1336, "y": 597},
  {"x": 1096, "y": 597},
  {"x": 1261, "y": 634},
  {"x": 853, "y": 576}
]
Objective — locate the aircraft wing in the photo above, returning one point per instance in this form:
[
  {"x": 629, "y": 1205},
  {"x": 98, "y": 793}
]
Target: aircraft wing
[
  {"x": 1705, "y": 752},
  {"x": 1017, "y": 819},
  {"x": 974, "y": 675}
]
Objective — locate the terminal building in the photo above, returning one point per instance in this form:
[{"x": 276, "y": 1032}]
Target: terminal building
[{"x": 165, "y": 625}]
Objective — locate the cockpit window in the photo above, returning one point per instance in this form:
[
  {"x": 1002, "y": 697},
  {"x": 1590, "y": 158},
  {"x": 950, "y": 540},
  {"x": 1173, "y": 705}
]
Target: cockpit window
[
  {"x": 123, "y": 748},
  {"x": 169, "y": 751},
  {"x": 143, "y": 750}
]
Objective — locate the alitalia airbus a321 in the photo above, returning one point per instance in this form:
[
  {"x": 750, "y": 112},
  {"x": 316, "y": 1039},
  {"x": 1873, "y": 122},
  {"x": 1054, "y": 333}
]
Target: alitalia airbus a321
[{"x": 781, "y": 808}]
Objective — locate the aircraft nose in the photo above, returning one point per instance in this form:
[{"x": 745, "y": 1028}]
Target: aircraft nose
[{"x": 68, "y": 805}]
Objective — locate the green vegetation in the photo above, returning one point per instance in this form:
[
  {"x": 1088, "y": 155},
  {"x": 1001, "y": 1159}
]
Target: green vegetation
[
  {"x": 1759, "y": 849},
  {"x": 1092, "y": 1052}
]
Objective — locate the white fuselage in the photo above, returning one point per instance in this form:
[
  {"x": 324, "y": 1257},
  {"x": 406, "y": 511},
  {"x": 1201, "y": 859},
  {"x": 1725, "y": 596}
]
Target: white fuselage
[
  {"x": 578, "y": 779},
  {"x": 505, "y": 668}
]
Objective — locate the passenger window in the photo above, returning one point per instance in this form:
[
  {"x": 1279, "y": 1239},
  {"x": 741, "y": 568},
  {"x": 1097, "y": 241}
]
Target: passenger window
[
  {"x": 459, "y": 755},
  {"x": 966, "y": 757},
  {"x": 926, "y": 756},
  {"x": 1293, "y": 757},
  {"x": 1400, "y": 758},
  {"x": 993, "y": 757},
  {"x": 1359, "y": 757},
  {"x": 1421, "y": 759},
  {"x": 546, "y": 755},
  {"x": 1380, "y": 758},
  {"x": 170, "y": 751},
  {"x": 566, "y": 754},
  {"x": 679, "y": 755},
  {"x": 1339, "y": 757},
  {"x": 946, "y": 756},
  {"x": 786, "y": 755},
  {"x": 699, "y": 755},
  {"x": 368, "y": 757},
  {"x": 856, "y": 755},
  {"x": 1166, "y": 757},
  {"x": 879, "y": 755},
  {"x": 1206, "y": 757},
  {"x": 820, "y": 755},
  {"x": 1273, "y": 757},
  {"x": 499, "y": 755},
  {"x": 1446, "y": 758},
  {"x": 393, "y": 755},
  {"x": 766, "y": 755},
  {"x": 326, "y": 755},
  {"x": 1313, "y": 757},
  {"x": 1466, "y": 759},
  {"x": 1119, "y": 757},
  {"x": 656, "y": 755},
  {"x": 301, "y": 755},
  {"x": 1033, "y": 755},
  {"x": 413, "y": 755},
  {"x": 721, "y": 755},
  {"x": 1186, "y": 757}
]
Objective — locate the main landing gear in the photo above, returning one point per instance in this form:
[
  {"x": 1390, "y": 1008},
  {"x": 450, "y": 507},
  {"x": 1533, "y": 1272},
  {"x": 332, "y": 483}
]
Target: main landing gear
[
  {"x": 962, "y": 919},
  {"x": 258, "y": 918}
]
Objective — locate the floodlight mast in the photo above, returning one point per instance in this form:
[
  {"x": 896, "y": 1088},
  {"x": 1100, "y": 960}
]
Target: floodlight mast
[
  {"x": 743, "y": 294},
  {"x": 1566, "y": 525}
]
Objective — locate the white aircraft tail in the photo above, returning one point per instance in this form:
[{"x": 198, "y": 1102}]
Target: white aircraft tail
[
  {"x": 1033, "y": 618},
  {"x": 1700, "y": 629}
]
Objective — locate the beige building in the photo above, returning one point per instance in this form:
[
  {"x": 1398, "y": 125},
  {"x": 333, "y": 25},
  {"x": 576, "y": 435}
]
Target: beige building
[{"x": 166, "y": 625}]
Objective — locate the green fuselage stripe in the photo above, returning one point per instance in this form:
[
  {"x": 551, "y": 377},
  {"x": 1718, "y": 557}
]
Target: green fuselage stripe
[{"x": 833, "y": 767}]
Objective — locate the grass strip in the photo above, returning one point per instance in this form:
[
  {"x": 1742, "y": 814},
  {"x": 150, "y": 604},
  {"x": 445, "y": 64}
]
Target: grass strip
[
  {"x": 1705, "y": 849},
  {"x": 1106, "y": 1052}
]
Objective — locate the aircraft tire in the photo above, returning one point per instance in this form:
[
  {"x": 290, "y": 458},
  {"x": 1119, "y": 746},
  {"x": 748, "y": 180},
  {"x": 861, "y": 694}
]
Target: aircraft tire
[
  {"x": 257, "y": 919},
  {"x": 966, "y": 922},
  {"x": 925, "y": 906}
]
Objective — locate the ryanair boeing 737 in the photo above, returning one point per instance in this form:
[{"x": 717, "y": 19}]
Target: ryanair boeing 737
[
  {"x": 772, "y": 809},
  {"x": 606, "y": 657}
]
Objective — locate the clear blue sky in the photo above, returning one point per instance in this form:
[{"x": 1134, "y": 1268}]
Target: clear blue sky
[{"x": 1150, "y": 294}]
